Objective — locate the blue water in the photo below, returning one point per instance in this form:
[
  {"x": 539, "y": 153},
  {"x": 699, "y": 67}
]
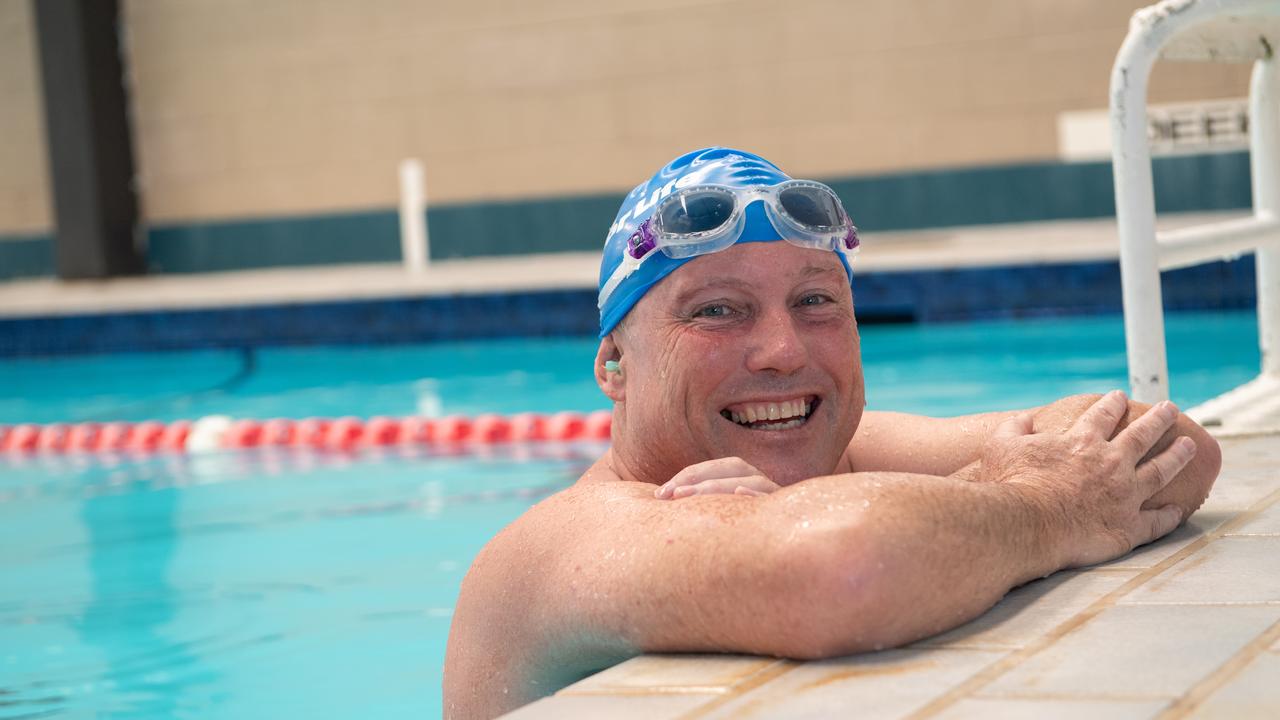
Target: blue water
[{"x": 270, "y": 584}]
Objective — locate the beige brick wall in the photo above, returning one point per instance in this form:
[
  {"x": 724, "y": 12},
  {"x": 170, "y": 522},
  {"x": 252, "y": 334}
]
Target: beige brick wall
[
  {"x": 24, "y": 198},
  {"x": 264, "y": 107}
]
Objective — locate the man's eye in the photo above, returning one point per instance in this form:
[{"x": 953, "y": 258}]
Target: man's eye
[
  {"x": 814, "y": 300},
  {"x": 712, "y": 311}
]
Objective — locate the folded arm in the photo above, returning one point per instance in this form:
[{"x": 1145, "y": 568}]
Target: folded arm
[
  {"x": 887, "y": 440},
  {"x": 829, "y": 566}
]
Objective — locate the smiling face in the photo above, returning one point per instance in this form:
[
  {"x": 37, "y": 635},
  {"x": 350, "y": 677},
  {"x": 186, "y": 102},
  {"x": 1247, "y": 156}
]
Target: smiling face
[{"x": 749, "y": 352}]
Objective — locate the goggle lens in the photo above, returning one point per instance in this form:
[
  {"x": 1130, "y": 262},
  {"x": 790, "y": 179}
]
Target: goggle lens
[
  {"x": 811, "y": 206},
  {"x": 696, "y": 212}
]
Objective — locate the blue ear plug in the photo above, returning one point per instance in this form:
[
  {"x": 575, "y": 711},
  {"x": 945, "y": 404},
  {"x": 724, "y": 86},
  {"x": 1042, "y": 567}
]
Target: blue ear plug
[{"x": 611, "y": 366}]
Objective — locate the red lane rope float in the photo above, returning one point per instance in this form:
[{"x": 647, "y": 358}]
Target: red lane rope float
[{"x": 343, "y": 434}]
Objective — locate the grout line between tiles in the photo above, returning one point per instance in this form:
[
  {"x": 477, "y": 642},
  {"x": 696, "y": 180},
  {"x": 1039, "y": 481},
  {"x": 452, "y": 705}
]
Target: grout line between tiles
[
  {"x": 1212, "y": 682},
  {"x": 778, "y": 669},
  {"x": 1216, "y": 603},
  {"x": 998, "y": 668},
  {"x": 624, "y": 691}
]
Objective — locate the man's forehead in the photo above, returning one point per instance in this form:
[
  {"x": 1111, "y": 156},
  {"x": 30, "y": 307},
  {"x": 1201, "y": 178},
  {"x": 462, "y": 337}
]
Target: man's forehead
[{"x": 723, "y": 269}]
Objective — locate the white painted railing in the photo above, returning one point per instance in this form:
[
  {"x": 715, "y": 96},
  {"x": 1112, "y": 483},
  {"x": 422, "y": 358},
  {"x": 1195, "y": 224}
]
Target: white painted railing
[{"x": 1203, "y": 30}]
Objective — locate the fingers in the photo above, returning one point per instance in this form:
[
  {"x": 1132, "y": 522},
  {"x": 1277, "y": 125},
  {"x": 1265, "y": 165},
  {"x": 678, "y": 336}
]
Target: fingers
[
  {"x": 1143, "y": 433},
  {"x": 1015, "y": 426},
  {"x": 710, "y": 469},
  {"x": 728, "y": 486},
  {"x": 1101, "y": 419},
  {"x": 1157, "y": 472},
  {"x": 1160, "y": 522}
]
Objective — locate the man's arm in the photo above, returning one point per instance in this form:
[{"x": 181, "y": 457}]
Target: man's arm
[
  {"x": 829, "y": 566},
  {"x": 603, "y": 572},
  {"x": 897, "y": 441}
]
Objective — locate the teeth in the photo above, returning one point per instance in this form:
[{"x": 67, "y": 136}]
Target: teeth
[{"x": 798, "y": 409}]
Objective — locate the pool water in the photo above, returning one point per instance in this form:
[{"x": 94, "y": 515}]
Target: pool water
[{"x": 283, "y": 583}]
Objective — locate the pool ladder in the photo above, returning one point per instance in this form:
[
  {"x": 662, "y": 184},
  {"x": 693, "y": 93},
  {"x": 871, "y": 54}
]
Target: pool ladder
[{"x": 1213, "y": 31}]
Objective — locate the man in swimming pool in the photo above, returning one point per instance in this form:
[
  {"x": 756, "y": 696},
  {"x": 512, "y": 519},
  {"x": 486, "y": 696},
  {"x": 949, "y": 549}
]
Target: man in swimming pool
[{"x": 738, "y": 511}]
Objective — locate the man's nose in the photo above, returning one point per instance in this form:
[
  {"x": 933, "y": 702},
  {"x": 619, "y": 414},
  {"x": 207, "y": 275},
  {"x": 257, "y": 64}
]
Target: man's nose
[{"x": 778, "y": 345}]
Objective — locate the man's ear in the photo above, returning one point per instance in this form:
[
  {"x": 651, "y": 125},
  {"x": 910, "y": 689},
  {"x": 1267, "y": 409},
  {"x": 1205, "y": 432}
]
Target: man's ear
[{"x": 609, "y": 370}]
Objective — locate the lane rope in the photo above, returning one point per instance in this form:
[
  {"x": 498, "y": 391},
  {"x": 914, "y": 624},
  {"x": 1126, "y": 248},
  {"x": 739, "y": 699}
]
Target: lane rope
[{"x": 220, "y": 432}]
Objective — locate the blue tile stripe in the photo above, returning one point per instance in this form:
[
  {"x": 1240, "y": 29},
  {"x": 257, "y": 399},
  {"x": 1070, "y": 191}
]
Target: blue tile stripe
[{"x": 925, "y": 296}]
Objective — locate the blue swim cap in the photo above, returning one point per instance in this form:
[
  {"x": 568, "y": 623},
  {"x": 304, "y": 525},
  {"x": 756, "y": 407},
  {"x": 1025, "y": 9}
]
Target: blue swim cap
[{"x": 709, "y": 166}]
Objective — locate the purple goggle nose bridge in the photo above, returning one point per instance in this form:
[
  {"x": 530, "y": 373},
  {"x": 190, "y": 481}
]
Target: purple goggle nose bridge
[{"x": 643, "y": 240}]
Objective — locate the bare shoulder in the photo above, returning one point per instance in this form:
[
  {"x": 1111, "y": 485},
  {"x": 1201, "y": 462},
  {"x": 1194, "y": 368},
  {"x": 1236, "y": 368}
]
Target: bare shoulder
[{"x": 579, "y": 582}]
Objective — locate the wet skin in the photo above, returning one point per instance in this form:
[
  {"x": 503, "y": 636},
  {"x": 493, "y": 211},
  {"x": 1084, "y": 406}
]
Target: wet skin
[{"x": 759, "y": 324}]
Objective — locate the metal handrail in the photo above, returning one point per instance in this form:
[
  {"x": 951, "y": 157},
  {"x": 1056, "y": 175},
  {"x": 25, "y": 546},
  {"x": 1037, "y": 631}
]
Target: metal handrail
[{"x": 1197, "y": 30}]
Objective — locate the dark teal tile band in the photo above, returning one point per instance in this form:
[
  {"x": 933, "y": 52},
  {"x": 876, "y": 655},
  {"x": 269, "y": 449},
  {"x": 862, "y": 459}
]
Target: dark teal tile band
[
  {"x": 26, "y": 256},
  {"x": 274, "y": 242},
  {"x": 1026, "y": 192}
]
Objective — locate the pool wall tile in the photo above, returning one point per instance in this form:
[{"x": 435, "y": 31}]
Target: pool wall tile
[
  {"x": 23, "y": 256},
  {"x": 908, "y": 200},
  {"x": 945, "y": 295}
]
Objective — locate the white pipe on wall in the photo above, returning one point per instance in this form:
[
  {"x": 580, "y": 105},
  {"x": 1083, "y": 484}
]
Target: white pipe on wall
[
  {"x": 414, "y": 243},
  {"x": 1264, "y": 128}
]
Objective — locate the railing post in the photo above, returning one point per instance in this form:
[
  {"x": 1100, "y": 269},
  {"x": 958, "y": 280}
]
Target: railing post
[
  {"x": 1136, "y": 219},
  {"x": 1264, "y": 138}
]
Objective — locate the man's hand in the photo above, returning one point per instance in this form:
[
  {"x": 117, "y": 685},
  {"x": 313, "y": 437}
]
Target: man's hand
[
  {"x": 720, "y": 476},
  {"x": 1091, "y": 486}
]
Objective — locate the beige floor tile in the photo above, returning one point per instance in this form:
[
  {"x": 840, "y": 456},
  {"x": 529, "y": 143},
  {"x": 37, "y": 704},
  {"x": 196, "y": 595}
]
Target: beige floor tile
[
  {"x": 1266, "y": 522},
  {"x": 673, "y": 674},
  {"x": 1245, "y": 488},
  {"x": 1022, "y": 709},
  {"x": 879, "y": 685},
  {"x": 1253, "y": 693},
  {"x": 1032, "y": 610},
  {"x": 1200, "y": 524},
  {"x": 1250, "y": 472},
  {"x": 613, "y": 707},
  {"x": 1137, "y": 652},
  {"x": 1228, "y": 570}
]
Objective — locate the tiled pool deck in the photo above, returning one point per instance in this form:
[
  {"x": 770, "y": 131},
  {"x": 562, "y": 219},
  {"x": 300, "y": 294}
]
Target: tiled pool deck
[{"x": 1187, "y": 627}]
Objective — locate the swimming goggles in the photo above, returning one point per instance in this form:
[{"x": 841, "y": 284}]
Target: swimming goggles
[{"x": 702, "y": 219}]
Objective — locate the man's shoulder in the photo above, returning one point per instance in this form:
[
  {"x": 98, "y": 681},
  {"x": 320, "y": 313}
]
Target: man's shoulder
[{"x": 566, "y": 518}]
